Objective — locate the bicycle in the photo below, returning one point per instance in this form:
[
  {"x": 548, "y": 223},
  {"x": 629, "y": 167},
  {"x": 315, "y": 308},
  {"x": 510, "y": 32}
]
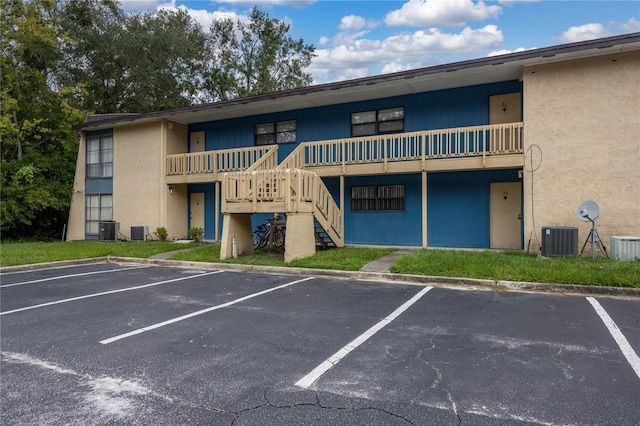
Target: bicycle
[{"x": 262, "y": 234}]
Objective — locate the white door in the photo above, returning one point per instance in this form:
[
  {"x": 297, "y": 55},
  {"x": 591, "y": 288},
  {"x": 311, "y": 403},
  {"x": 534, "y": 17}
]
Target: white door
[
  {"x": 196, "y": 207},
  {"x": 504, "y": 109},
  {"x": 196, "y": 142},
  {"x": 505, "y": 212}
]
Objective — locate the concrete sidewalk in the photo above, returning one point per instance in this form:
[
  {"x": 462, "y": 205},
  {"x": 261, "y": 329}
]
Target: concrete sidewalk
[{"x": 383, "y": 264}]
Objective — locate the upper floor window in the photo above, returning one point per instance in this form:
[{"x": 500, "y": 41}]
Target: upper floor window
[
  {"x": 100, "y": 157},
  {"x": 278, "y": 132},
  {"x": 367, "y": 123},
  {"x": 377, "y": 198}
]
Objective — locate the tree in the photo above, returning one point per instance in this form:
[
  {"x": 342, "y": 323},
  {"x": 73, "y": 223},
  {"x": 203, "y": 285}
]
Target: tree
[
  {"x": 131, "y": 63},
  {"x": 38, "y": 144},
  {"x": 245, "y": 59},
  {"x": 166, "y": 60}
]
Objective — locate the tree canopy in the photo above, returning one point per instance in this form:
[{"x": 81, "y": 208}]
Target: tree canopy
[
  {"x": 262, "y": 59},
  {"x": 130, "y": 63},
  {"x": 64, "y": 59},
  {"x": 38, "y": 144}
]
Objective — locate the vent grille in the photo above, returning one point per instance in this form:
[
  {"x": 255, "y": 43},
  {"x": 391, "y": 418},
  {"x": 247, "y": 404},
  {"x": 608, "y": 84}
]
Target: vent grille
[{"x": 558, "y": 241}]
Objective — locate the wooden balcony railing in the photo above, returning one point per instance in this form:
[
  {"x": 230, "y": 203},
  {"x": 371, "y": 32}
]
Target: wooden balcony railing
[
  {"x": 476, "y": 141},
  {"x": 221, "y": 161}
]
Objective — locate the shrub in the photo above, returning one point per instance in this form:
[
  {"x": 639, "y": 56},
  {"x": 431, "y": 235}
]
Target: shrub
[
  {"x": 162, "y": 233},
  {"x": 196, "y": 234}
]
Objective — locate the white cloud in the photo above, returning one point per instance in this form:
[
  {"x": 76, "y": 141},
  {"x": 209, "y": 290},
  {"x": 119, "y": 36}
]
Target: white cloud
[
  {"x": 421, "y": 48},
  {"x": 582, "y": 32},
  {"x": 355, "y": 22},
  {"x": 441, "y": 13},
  {"x": 631, "y": 26},
  {"x": 292, "y": 3},
  {"x": 352, "y": 22},
  {"x": 146, "y": 5},
  {"x": 507, "y": 51}
]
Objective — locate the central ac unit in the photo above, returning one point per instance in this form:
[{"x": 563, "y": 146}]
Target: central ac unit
[
  {"x": 559, "y": 241},
  {"x": 625, "y": 248},
  {"x": 139, "y": 233},
  {"x": 108, "y": 230}
]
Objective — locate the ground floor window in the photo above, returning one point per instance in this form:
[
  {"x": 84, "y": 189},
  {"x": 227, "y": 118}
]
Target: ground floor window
[
  {"x": 377, "y": 198},
  {"x": 99, "y": 208}
]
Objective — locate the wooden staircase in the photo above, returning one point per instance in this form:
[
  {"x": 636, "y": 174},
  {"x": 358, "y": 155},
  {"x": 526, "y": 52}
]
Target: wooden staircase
[
  {"x": 323, "y": 241},
  {"x": 288, "y": 191}
]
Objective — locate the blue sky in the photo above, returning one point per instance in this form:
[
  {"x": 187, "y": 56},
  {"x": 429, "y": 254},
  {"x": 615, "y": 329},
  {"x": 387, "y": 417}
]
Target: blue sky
[{"x": 358, "y": 38}]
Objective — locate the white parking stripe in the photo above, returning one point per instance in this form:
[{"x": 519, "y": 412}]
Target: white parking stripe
[
  {"x": 203, "y": 311},
  {"x": 71, "y": 276},
  {"x": 104, "y": 293},
  {"x": 315, "y": 374},
  {"x": 622, "y": 341}
]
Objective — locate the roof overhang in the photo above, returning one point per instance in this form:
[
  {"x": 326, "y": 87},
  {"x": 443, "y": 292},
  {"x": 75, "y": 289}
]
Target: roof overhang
[{"x": 458, "y": 74}]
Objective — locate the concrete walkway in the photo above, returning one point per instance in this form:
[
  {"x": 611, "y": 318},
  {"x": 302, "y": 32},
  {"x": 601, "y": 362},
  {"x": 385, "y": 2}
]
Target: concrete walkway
[{"x": 383, "y": 264}]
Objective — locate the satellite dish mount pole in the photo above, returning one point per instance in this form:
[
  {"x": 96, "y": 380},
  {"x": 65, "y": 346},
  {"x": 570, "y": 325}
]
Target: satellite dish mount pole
[{"x": 594, "y": 238}]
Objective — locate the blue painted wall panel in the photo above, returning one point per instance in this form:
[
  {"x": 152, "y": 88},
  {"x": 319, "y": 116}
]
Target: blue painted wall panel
[
  {"x": 209, "y": 207},
  {"x": 388, "y": 227},
  {"x": 98, "y": 186},
  {"x": 210, "y": 213},
  {"x": 452, "y": 196},
  {"x": 467, "y": 106},
  {"x": 458, "y": 207}
]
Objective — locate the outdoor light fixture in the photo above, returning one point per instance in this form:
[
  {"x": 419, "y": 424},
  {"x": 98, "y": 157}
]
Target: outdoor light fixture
[{"x": 170, "y": 190}]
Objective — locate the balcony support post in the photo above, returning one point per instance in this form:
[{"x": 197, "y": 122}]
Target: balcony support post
[
  {"x": 236, "y": 226},
  {"x": 300, "y": 242}
]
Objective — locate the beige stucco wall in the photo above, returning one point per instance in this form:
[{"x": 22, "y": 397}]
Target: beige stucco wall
[
  {"x": 139, "y": 191},
  {"x": 141, "y": 196},
  {"x": 75, "y": 226},
  {"x": 584, "y": 116}
]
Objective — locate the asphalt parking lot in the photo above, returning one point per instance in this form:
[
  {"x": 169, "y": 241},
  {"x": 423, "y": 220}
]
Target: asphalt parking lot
[{"x": 130, "y": 344}]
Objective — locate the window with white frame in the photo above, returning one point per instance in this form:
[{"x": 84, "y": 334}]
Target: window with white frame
[
  {"x": 377, "y": 198},
  {"x": 98, "y": 208},
  {"x": 275, "y": 133},
  {"x": 100, "y": 157},
  {"x": 367, "y": 123}
]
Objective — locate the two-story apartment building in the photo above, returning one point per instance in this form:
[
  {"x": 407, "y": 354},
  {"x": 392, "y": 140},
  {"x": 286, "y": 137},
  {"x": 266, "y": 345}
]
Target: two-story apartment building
[{"x": 475, "y": 154}]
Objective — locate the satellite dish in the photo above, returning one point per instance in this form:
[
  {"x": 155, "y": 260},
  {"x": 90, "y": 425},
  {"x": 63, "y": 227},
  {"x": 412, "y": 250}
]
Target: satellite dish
[{"x": 588, "y": 211}]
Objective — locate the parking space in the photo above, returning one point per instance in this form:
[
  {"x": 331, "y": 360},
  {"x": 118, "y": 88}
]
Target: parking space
[{"x": 110, "y": 343}]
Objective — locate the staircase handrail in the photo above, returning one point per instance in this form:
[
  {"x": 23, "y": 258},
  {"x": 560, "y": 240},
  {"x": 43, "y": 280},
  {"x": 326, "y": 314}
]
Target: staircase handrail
[
  {"x": 269, "y": 160},
  {"x": 296, "y": 189}
]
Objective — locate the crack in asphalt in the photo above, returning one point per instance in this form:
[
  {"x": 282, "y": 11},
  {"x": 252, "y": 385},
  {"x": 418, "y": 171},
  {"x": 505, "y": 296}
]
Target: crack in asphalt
[
  {"x": 435, "y": 385},
  {"x": 319, "y": 404}
]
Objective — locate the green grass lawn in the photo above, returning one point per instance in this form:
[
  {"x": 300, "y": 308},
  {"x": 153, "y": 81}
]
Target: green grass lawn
[
  {"x": 16, "y": 253},
  {"x": 518, "y": 266},
  {"x": 493, "y": 265},
  {"x": 344, "y": 259}
]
